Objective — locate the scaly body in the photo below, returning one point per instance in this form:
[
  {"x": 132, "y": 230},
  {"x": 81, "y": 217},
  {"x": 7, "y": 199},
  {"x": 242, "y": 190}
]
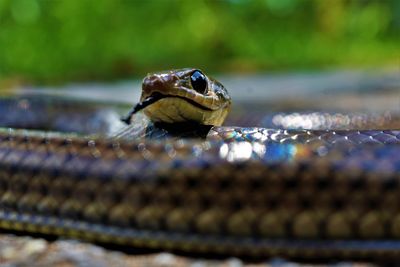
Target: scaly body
[{"x": 249, "y": 192}]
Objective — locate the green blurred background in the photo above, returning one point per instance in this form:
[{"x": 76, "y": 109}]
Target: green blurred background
[{"x": 57, "y": 41}]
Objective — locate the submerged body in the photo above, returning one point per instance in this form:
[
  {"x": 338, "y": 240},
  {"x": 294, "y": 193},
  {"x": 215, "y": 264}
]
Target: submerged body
[{"x": 250, "y": 192}]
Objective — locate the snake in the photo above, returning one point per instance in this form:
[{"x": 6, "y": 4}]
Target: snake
[{"x": 169, "y": 176}]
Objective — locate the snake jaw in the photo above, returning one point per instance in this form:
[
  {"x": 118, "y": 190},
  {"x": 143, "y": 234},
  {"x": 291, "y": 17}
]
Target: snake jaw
[{"x": 157, "y": 96}]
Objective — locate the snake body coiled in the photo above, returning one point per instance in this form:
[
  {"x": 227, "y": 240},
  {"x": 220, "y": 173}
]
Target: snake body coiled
[{"x": 247, "y": 192}]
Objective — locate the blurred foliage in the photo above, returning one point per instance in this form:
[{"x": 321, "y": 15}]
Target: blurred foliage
[{"x": 62, "y": 40}]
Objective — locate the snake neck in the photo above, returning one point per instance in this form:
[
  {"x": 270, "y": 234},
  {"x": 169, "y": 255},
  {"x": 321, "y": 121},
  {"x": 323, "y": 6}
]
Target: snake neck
[
  {"x": 141, "y": 127},
  {"x": 188, "y": 129}
]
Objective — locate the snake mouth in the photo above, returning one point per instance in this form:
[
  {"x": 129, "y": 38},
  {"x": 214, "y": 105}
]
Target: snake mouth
[{"x": 157, "y": 96}]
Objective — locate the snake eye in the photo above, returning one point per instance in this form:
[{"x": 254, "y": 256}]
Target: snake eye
[{"x": 199, "y": 82}]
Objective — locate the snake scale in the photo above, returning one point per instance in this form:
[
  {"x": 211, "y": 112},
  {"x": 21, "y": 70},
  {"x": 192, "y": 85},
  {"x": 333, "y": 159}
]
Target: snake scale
[{"x": 251, "y": 192}]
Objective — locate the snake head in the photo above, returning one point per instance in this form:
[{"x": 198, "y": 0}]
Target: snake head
[{"x": 183, "y": 95}]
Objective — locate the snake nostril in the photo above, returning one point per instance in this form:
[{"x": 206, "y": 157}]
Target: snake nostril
[{"x": 152, "y": 82}]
